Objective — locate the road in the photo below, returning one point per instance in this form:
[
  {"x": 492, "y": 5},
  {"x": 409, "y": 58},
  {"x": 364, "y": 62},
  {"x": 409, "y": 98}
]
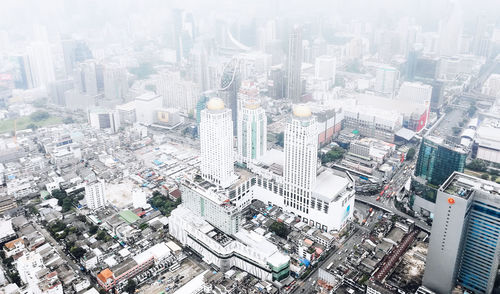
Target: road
[{"x": 57, "y": 247}]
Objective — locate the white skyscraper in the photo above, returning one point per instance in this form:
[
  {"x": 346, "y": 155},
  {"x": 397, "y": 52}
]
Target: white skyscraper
[
  {"x": 301, "y": 155},
  {"x": 415, "y": 92},
  {"x": 176, "y": 92},
  {"x": 325, "y": 67},
  {"x": 115, "y": 82},
  {"x": 42, "y": 66},
  {"x": 216, "y": 142},
  {"x": 252, "y": 130},
  {"x": 386, "y": 80},
  {"x": 94, "y": 195}
]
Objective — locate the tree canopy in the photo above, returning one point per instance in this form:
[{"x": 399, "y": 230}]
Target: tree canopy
[
  {"x": 279, "y": 229},
  {"x": 410, "y": 154}
]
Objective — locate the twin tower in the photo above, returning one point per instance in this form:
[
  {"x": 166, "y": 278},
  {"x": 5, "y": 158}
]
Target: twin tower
[{"x": 217, "y": 143}]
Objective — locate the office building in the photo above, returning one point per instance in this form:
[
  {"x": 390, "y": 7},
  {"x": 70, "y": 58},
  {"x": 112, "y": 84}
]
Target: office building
[
  {"x": 42, "y": 66},
  {"x": 487, "y": 141},
  {"x": 252, "y": 130},
  {"x": 325, "y": 67},
  {"x": 94, "y": 195},
  {"x": 492, "y": 86},
  {"x": 438, "y": 159},
  {"x": 386, "y": 79},
  {"x": 417, "y": 93},
  {"x": 450, "y": 31},
  {"x": 276, "y": 82},
  {"x": 216, "y": 143},
  {"x": 74, "y": 51},
  {"x": 104, "y": 119},
  {"x": 228, "y": 89},
  {"x": 463, "y": 248},
  {"x": 58, "y": 89},
  {"x": 146, "y": 106},
  {"x": 23, "y": 78},
  {"x": 115, "y": 82},
  {"x": 294, "y": 65},
  {"x": 85, "y": 77},
  {"x": 177, "y": 92}
]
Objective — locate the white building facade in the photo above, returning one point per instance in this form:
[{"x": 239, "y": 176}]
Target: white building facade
[
  {"x": 301, "y": 145},
  {"x": 216, "y": 142},
  {"x": 252, "y": 131},
  {"x": 415, "y": 92},
  {"x": 94, "y": 195}
]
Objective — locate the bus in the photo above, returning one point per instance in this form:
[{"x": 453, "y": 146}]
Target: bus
[
  {"x": 329, "y": 266},
  {"x": 378, "y": 198}
]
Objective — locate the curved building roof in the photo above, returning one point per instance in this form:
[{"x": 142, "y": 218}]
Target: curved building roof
[
  {"x": 301, "y": 110},
  {"x": 215, "y": 104}
]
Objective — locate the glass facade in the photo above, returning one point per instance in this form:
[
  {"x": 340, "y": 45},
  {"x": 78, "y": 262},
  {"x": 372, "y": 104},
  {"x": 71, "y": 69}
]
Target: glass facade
[
  {"x": 436, "y": 162},
  {"x": 478, "y": 263}
]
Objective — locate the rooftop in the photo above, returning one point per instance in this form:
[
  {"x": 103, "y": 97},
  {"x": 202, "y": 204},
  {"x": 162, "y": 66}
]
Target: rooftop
[
  {"x": 129, "y": 216},
  {"x": 329, "y": 185},
  {"x": 463, "y": 185}
]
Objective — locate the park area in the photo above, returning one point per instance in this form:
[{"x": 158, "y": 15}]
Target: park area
[{"x": 37, "y": 119}]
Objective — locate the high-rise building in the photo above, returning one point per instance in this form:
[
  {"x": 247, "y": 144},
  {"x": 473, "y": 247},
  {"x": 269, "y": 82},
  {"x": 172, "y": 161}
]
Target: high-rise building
[
  {"x": 199, "y": 66},
  {"x": 294, "y": 65},
  {"x": 276, "y": 83},
  {"x": 216, "y": 143},
  {"x": 177, "y": 92},
  {"x": 411, "y": 62},
  {"x": 438, "y": 159},
  {"x": 450, "y": 31},
  {"x": 325, "y": 67},
  {"x": 104, "y": 119},
  {"x": 23, "y": 77},
  {"x": 417, "y": 93},
  {"x": 42, "y": 66},
  {"x": 301, "y": 158},
  {"x": 74, "y": 51},
  {"x": 252, "y": 130},
  {"x": 386, "y": 80},
  {"x": 464, "y": 244},
  {"x": 229, "y": 88},
  {"x": 115, "y": 82},
  {"x": 94, "y": 195},
  {"x": 58, "y": 89},
  {"x": 85, "y": 77}
]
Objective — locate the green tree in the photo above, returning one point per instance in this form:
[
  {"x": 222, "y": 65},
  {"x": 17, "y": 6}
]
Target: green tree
[
  {"x": 485, "y": 176},
  {"x": 335, "y": 153},
  {"x": 101, "y": 235},
  {"x": 78, "y": 252},
  {"x": 493, "y": 178},
  {"x": 143, "y": 226},
  {"x": 40, "y": 102},
  {"x": 32, "y": 126},
  {"x": 93, "y": 229},
  {"x": 68, "y": 120},
  {"x": 67, "y": 204},
  {"x": 279, "y": 229},
  {"x": 130, "y": 287},
  {"x": 477, "y": 165},
  {"x": 39, "y": 115},
  {"x": 410, "y": 154}
]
